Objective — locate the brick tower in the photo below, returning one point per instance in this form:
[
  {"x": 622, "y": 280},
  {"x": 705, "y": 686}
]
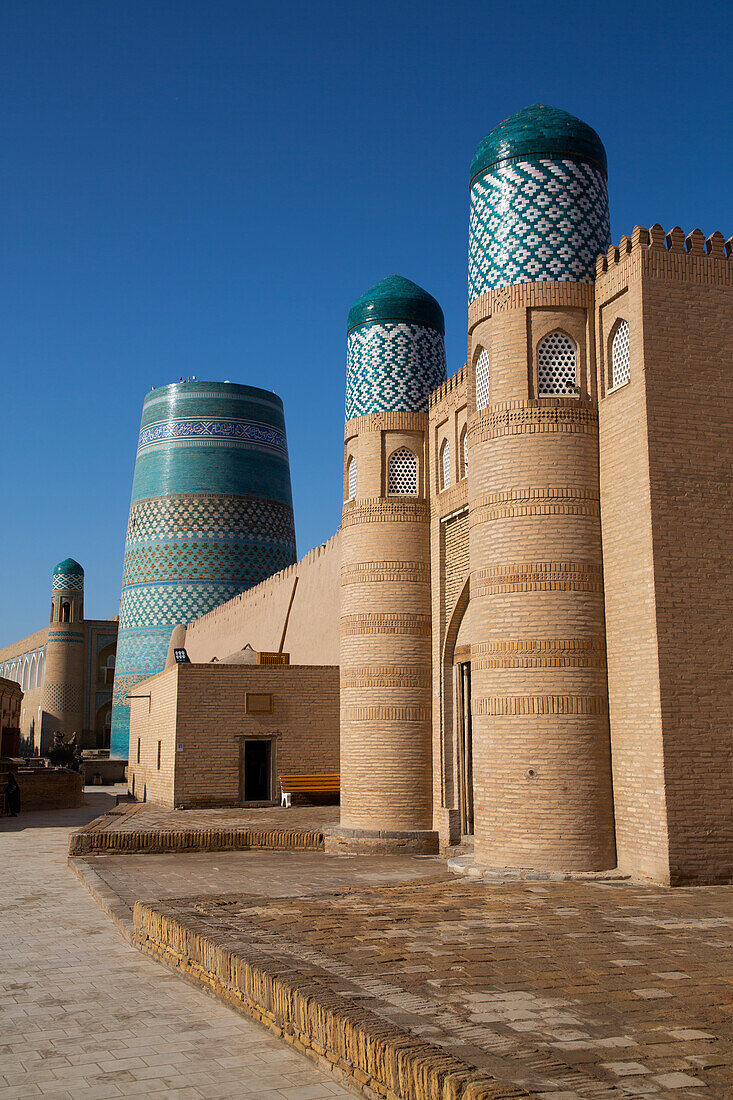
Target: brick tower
[
  {"x": 396, "y": 357},
  {"x": 63, "y": 689},
  {"x": 539, "y": 219},
  {"x": 211, "y": 515}
]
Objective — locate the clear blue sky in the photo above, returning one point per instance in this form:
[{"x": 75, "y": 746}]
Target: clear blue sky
[{"x": 204, "y": 187}]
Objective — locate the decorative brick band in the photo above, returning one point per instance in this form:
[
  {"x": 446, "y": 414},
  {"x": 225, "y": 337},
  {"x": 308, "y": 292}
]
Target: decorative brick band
[
  {"x": 555, "y": 294},
  {"x": 386, "y": 714},
  {"x": 549, "y": 415},
  {"x": 365, "y": 571},
  {"x": 540, "y": 653},
  {"x": 394, "y": 421},
  {"x": 535, "y": 502},
  {"x": 529, "y": 705},
  {"x": 409, "y": 676},
  {"x": 386, "y": 624},
  {"x": 211, "y": 840},
  {"x": 539, "y": 576},
  {"x": 381, "y": 510}
]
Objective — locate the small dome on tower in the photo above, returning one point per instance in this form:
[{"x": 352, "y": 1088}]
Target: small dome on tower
[
  {"x": 68, "y": 568},
  {"x": 539, "y": 130},
  {"x": 396, "y": 299}
]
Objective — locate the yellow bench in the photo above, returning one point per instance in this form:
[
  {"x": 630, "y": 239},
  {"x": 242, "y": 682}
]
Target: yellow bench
[{"x": 307, "y": 784}]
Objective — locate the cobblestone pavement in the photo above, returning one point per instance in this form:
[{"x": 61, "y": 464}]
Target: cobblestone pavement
[
  {"x": 86, "y": 1016},
  {"x": 569, "y": 990}
]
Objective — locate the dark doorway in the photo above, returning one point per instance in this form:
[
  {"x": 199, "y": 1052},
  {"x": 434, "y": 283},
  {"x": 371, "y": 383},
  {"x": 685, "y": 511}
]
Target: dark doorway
[
  {"x": 255, "y": 770},
  {"x": 465, "y": 746}
]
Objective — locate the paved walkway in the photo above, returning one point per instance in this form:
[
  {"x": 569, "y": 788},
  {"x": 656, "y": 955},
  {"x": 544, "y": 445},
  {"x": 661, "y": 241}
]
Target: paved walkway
[{"x": 86, "y": 1016}]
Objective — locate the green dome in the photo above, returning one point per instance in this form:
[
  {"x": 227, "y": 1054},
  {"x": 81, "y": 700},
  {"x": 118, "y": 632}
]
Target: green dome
[
  {"x": 396, "y": 299},
  {"x": 68, "y": 568},
  {"x": 537, "y": 131}
]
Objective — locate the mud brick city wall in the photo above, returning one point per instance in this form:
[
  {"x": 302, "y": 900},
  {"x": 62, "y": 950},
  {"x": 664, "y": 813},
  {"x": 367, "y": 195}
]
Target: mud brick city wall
[
  {"x": 202, "y": 710},
  {"x": 306, "y": 596},
  {"x": 665, "y": 447}
]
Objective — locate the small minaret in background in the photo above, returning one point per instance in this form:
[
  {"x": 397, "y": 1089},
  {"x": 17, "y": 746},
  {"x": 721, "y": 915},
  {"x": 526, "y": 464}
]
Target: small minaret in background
[{"x": 63, "y": 690}]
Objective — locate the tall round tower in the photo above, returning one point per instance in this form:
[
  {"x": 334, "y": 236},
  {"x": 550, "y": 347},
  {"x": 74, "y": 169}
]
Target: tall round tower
[
  {"x": 396, "y": 358},
  {"x": 63, "y": 687},
  {"x": 211, "y": 515},
  {"x": 541, "y": 754}
]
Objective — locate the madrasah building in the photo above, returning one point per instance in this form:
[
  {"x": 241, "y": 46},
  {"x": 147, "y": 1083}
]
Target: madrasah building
[{"x": 521, "y": 630}]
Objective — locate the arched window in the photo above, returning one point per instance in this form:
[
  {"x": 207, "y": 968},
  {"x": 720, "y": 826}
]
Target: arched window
[
  {"x": 620, "y": 363},
  {"x": 402, "y": 472},
  {"x": 445, "y": 464},
  {"x": 482, "y": 380},
  {"x": 464, "y": 452},
  {"x": 39, "y": 671},
  {"x": 32, "y": 673},
  {"x": 24, "y": 677},
  {"x": 557, "y": 366},
  {"x": 351, "y": 478},
  {"x": 65, "y": 612}
]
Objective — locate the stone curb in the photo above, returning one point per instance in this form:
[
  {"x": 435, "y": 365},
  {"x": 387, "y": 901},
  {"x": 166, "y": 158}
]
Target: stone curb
[
  {"x": 105, "y": 898},
  {"x": 180, "y": 840},
  {"x": 371, "y": 1055}
]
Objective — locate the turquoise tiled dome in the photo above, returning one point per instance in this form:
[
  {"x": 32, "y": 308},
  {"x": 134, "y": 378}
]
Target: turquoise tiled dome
[
  {"x": 395, "y": 349},
  {"x": 68, "y": 568},
  {"x": 538, "y": 130},
  {"x": 396, "y": 299},
  {"x": 539, "y": 202}
]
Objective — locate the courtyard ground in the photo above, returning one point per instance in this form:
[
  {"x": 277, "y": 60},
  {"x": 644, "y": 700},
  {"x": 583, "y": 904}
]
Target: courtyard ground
[
  {"x": 562, "y": 990},
  {"x": 85, "y": 1016}
]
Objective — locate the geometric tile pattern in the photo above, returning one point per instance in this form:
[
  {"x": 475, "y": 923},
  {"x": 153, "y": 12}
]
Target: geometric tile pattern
[
  {"x": 233, "y": 431},
  {"x": 217, "y": 516},
  {"x": 61, "y": 698},
  {"x": 536, "y": 219},
  {"x": 67, "y": 582},
  {"x": 393, "y": 366}
]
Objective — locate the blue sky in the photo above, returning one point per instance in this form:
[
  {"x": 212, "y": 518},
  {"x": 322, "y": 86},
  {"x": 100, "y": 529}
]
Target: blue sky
[{"x": 204, "y": 187}]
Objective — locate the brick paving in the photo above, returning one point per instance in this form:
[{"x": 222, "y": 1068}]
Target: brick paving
[
  {"x": 143, "y": 817},
  {"x": 567, "y": 990},
  {"x": 85, "y": 1016}
]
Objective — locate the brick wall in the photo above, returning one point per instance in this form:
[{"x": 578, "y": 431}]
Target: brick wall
[
  {"x": 202, "y": 709},
  {"x": 49, "y": 789},
  {"x": 665, "y": 444}
]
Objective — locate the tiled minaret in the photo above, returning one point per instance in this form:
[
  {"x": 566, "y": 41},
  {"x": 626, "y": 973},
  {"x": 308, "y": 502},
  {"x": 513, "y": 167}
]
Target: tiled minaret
[
  {"x": 539, "y": 219},
  {"x": 396, "y": 357},
  {"x": 63, "y": 688},
  {"x": 211, "y": 515}
]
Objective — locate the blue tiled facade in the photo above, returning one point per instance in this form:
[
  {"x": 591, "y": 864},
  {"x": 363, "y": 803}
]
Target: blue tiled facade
[
  {"x": 395, "y": 349},
  {"x": 539, "y": 202},
  {"x": 211, "y": 515}
]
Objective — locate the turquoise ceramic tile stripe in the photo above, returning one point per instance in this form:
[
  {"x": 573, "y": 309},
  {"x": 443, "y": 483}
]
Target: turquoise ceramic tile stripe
[
  {"x": 211, "y": 515},
  {"x": 539, "y": 202}
]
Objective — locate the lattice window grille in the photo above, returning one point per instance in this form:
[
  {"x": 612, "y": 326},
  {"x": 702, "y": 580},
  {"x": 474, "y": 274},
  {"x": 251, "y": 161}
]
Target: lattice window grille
[
  {"x": 557, "y": 370},
  {"x": 445, "y": 465},
  {"x": 402, "y": 476},
  {"x": 620, "y": 361},
  {"x": 482, "y": 380},
  {"x": 464, "y": 446},
  {"x": 351, "y": 469}
]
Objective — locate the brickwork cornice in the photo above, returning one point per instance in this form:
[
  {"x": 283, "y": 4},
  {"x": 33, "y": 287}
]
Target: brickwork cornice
[
  {"x": 538, "y": 576},
  {"x": 672, "y": 256},
  {"x": 384, "y": 510},
  {"x": 546, "y": 294},
  {"x": 386, "y": 421},
  {"x": 531, "y": 501},
  {"x": 569, "y": 415}
]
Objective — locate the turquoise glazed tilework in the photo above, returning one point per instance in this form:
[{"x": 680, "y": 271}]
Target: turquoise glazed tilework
[
  {"x": 393, "y": 366},
  {"x": 211, "y": 516},
  {"x": 536, "y": 219}
]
